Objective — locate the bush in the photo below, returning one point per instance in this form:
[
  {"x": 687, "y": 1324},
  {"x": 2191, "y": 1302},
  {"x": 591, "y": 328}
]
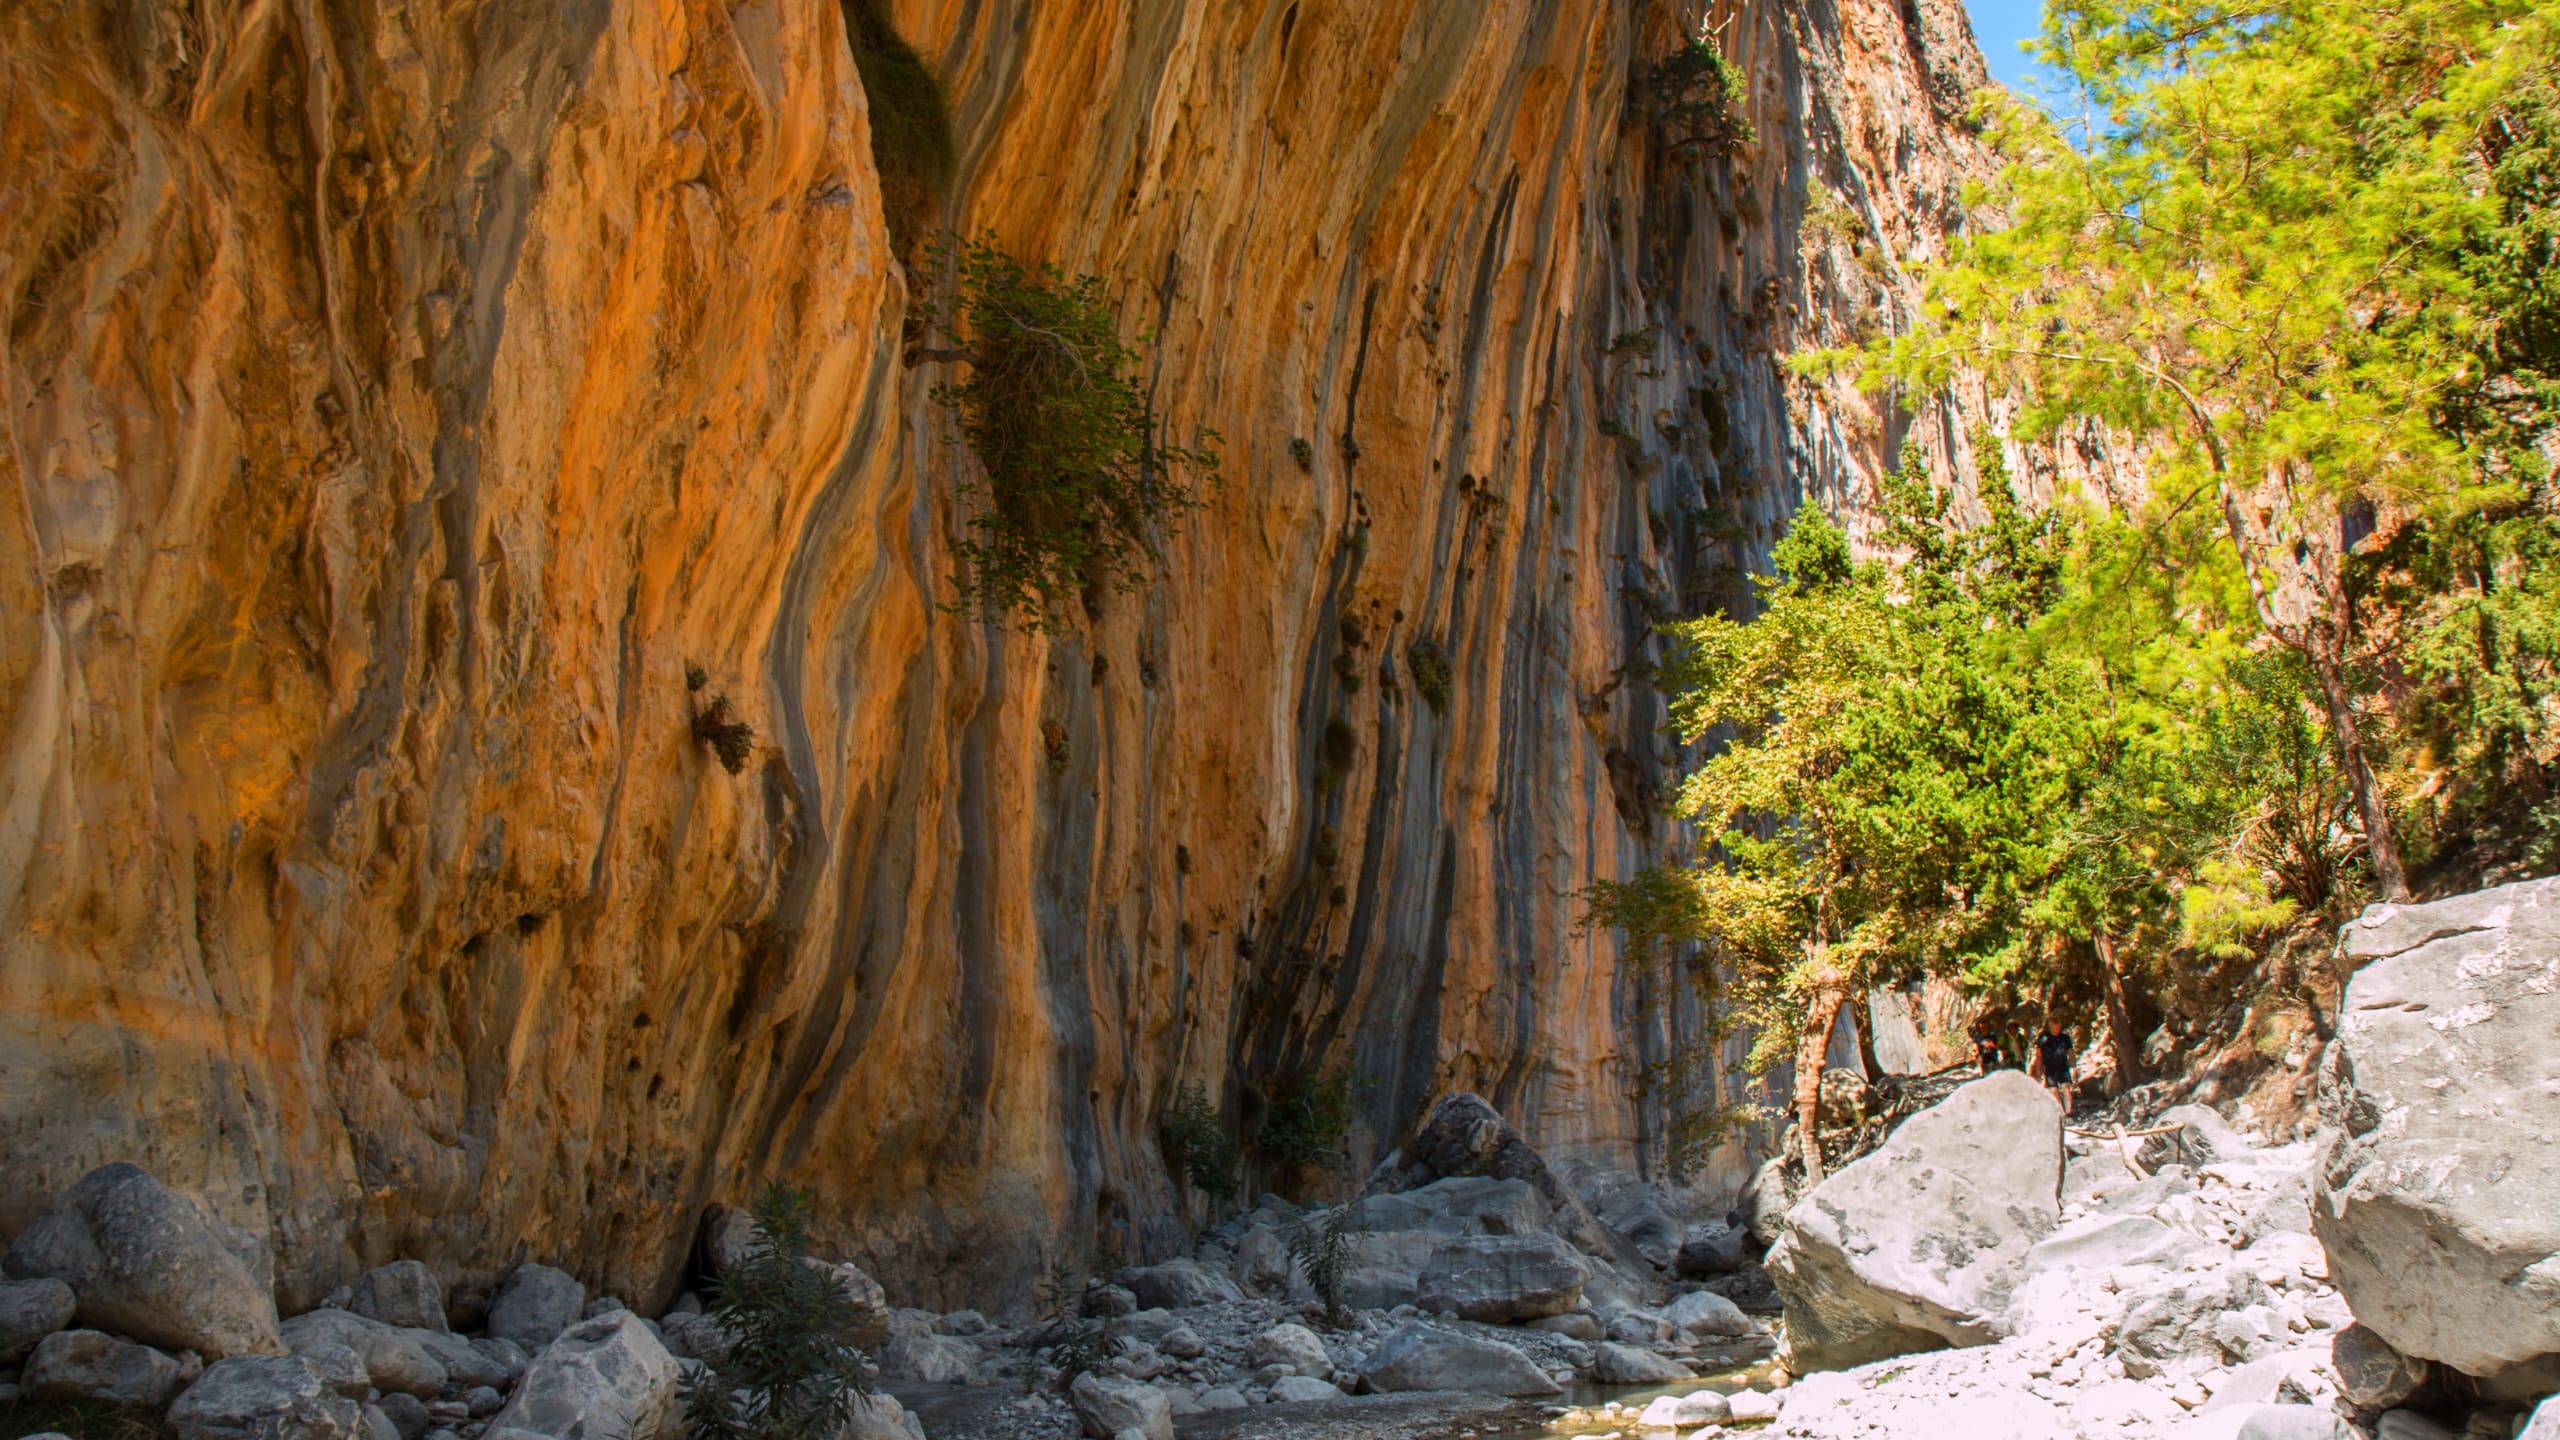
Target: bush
[
  {"x": 732, "y": 739},
  {"x": 910, "y": 125},
  {"x": 1431, "y": 673},
  {"x": 1199, "y": 1144},
  {"x": 792, "y": 1370},
  {"x": 1697, "y": 92},
  {"x": 1077, "y": 481},
  {"x": 1308, "y": 1122},
  {"x": 1324, "y": 1245}
]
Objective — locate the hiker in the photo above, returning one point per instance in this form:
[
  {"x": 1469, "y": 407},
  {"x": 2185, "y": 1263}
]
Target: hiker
[
  {"x": 2053, "y": 1061},
  {"x": 1986, "y": 1048}
]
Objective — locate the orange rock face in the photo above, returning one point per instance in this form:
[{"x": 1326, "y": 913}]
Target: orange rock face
[{"x": 401, "y": 402}]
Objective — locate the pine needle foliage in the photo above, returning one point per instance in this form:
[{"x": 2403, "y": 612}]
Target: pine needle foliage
[
  {"x": 1078, "y": 480},
  {"x": 792, "y": 1371},
  {"x": 1698, "y": 94}
]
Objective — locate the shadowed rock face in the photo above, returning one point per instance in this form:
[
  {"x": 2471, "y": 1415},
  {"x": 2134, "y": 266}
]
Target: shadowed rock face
[{"x": 398, "y": 403}]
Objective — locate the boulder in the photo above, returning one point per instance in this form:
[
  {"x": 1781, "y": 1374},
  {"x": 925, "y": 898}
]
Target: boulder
[
  {"x": 494, "y": 1363},
  {"x": 2180, "y": 1316},
  {"x": 396, "y": 1359},
  {"x": 2544, "y": 1423},
  {"x": 1460, "y": 1205},
  {"x": 1463, "y": 1135},
  {"x": 1766, "y": 1197},
  {"x": 264, "y": 1397},
  {"x": 338, "y": 1366},
  {"x": 1617, "y": 1364},
  {"x": 1262, "y": 1265},
  {"x": 963, "y": 1322},
  {"x": 2371, "y": 1374},
  {"x": 93, "y": 1365},
  {"x": 932, "y": 1359},
  {"x": 2433, "y": 1198},
  {"x": 1108, "y": 1407},
  {"x": 1919, "y": 1245},
  {"x": 1580, "y": 1325},
  {"x": 1752, "y": 1407},
  {"x": 2201, "y": 1137},
  {"x": 1295, "y": 1346},
  {"x": 2409, "y": 1425},
  {"x": 1183, "y": 1343},
  {"x": 2109, "y": 1243},
  {"x": 402, "y": 1293},
  {"x": 602, "y": 1379},
  {"x": 1713, "y": 1250},
  {"x": 1704, "y": 1312},
  {"x": 2287, "y": 1377},
  {"x": 2289, "y": 1422},
  {"x": 506, "y": 1355},
  {"x": 407, "y": 1414},
  {"x": 148, "y": 1262},
  {"x": 29, "y": 1311},
  {"x": 1302, "y": 1390},
  {"x": 1223, "y": 1397},
  {"x": 535, "y": 1305},
  {"x": 1500, "y": 1279},
  {"x": 1385, "y": 1270},
  {"x": 1684, "y": 1412},
  {"x": 1179, "y": 1285},
  {"x": 1638, "y": 1211},
  {"x": 1423, "y": 1357},
  {"x": 867, "y": 1417}
]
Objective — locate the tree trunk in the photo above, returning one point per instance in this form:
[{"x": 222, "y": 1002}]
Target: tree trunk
[
  {"x": 1824, "y": 1012},
  {"x": 1862, "y": 1015},
  {"x": 2121, "y": 1041},
  {"x": 2360, "y": 777}
]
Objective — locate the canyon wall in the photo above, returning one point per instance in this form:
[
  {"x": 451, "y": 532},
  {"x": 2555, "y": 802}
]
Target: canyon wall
[{"x": 403, "y": 400}]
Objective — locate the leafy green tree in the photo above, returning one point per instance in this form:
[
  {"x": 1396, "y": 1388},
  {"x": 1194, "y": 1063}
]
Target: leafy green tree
[
  {"x": 2276, "y": 264},
  {"x": 792, "y": 1369},
  {"x": 1078, "y": 478}
]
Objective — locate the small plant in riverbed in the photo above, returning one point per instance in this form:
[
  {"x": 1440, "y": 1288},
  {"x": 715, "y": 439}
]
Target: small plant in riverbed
[
  {"x": 792, "y": 1371},
  {"x": 1199, "y": 1144},
  {"x": 732, "y": 739},
  {"x": 1078, "y": 480},
  {"x": 1324, "y": 1243}
]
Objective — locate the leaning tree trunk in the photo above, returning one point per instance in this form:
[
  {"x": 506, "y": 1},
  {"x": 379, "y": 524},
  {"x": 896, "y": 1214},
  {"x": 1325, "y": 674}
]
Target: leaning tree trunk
[
  {"x": 1829, "y": 992},
  {"x": 1862, "y": 1014},
  {"x": 2121, "y": 1041},
  {"x": 2367, "y": 790}
]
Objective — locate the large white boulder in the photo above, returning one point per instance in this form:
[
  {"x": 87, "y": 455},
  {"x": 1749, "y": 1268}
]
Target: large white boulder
[
  {"x": 1109, "y": 1407},
  {"x": 153, "y": 1264},
  {"x": 1919, "y": 1245},
  {"x": 1295, "y": 1346},
  {"x": 604, "y": 1379},
  {"x": 2435, "y": 1198},
  {"x": 1425, "y": 1357}
]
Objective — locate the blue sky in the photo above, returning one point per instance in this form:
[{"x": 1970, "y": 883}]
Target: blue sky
[{"x": 1999, "y": 25}]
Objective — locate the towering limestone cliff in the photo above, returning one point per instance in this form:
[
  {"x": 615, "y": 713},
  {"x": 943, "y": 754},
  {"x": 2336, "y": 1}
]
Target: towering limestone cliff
[{"x": 402, "y": 398}]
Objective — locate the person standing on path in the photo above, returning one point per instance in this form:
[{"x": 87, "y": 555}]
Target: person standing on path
[{"x": 2053, "y": 1061}]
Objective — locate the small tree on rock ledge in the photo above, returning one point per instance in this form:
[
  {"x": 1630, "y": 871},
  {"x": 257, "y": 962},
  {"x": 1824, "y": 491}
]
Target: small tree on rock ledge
[{"x": 1077, "y": 480}]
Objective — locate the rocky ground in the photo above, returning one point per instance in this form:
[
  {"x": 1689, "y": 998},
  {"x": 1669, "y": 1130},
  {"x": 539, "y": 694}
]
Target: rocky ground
[{"x": 1984, "y": 1273}]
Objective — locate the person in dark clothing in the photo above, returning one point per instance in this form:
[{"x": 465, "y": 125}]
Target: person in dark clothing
[
  {"x": 2053, "y": 1061},
  {"x": 1986, "y": 1049}
]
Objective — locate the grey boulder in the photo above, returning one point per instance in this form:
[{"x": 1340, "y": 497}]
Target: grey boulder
[
  {"x": 1108, "y": 1407},
  {"x": 1715, "y": 1250},
  {"x": 339, "y": 1367},
  {"x": 2434, "y": 1197},
  {"x": 148, "y": 1262},
  {"x": 535, "y": 1305},
  {"x": 407, "y": 1414},
  {"x": 1179, "y": 1284},
  {"x": 1705, "y": 1312},
  {"x": 1500, "y": 1279},
  {"x": 2187, "y": 1315},
  {"x": 931, "y": 1359},
  {"x": 2371, "y": 1374},
  {"x": 91, "y": 1365},
  {"x": 2292, "y": 1422},
  {"x": 1303, "y": 1390},
  {"x": 1423, "y": 1357},
  {"x": 1919, "y": 1245},
  {"x": 1295, "y": 1346},
  {"x": 603, "y": 1379},
  {"x": 402, "y": 1293},
  {"x": 396, "y": 1359},
  {"x": 29, "y": 1311},
  {"x": 1617, "y": 1364},
  {"x": 1262, "y": 1265},
  {"x": 264, "y": 1397},
  {"x": 2544, "y": 1423}
]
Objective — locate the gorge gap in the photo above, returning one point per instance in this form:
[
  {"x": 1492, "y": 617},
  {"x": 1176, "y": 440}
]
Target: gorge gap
[{"x": 401, "y": 401}]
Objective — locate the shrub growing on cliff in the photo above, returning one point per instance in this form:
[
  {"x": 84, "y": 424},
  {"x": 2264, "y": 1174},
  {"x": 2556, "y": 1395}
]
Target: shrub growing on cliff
[
  {"x": 910, "y": 125},
  {"x": 1199, "y": 1144},
  {"x": 1698, "y": 93},
  {"x": 1078, "y": 480},
  {"x": 1308, "y": 1123},
  {"x": 792, "y": 1370},
  {"x": 732, "y": 739}
]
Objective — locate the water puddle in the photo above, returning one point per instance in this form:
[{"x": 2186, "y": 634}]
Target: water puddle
[{"x": 1590, "y": 1411}]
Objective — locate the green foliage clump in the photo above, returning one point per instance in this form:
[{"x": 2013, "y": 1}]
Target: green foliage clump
[
  {"x": 1309, "y": 1121},
  {"x": 792, "y": 1371},
  {"x": 911, "y": 145},
  {"x": 1698, "y": 94},
  {"x": 732, "y": 739},
  {"x": 1324, "y": 1243},
  {"x": 1078, "y": 481},
  {"x": 1429, "y": 666},
  {"x": 1198, "y": 1141}
]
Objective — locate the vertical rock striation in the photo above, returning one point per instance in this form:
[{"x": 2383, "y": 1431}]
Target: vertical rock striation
[{"x": 402, "y": 401}]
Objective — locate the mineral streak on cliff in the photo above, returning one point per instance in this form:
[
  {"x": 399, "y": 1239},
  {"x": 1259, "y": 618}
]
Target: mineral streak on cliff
[{"x": 400, "y": 399}]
